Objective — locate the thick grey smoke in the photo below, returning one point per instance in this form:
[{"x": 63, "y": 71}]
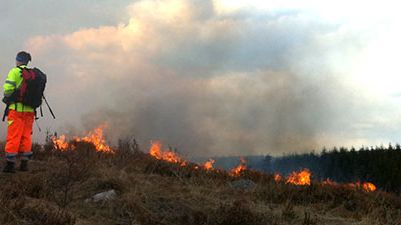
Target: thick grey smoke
[
  {"x": 204, "y": 81},
  {"x": 235, "y": 114}
]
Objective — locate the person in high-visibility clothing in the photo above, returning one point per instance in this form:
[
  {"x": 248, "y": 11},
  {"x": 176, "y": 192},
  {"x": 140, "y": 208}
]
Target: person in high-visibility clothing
[{"x": 20, "y": 120}]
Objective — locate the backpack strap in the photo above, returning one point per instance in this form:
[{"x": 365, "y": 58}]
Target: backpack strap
[
  {"x": 16, "y": 103},
  {"x": 6, "y": 110},
  {"x": 41, "y": 110}
]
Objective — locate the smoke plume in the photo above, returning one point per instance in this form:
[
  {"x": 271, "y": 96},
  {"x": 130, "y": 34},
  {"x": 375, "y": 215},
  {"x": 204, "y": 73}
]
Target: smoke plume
[{"x": 204, "y": 80}]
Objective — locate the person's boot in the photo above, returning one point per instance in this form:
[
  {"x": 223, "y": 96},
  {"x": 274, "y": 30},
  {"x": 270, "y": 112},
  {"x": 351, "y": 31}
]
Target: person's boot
[
  {"x": 24, "y": 165},
  {"x": 10, "y": 167}
]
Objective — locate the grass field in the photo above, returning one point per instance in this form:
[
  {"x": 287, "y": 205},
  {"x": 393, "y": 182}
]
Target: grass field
[{"x": 151, "y": 191}]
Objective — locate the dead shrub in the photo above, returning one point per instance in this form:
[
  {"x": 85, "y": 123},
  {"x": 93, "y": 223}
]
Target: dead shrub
[
  {"x": 45, "y": 214},
  {"x": 74, "y": 166},
  {"x": 240, "y": 213},
  {"x": 308, "y": 220},
  {"x": 288, "y": 213},
  {"x": 131, "y": 211},
  {"x": 158, "y": 210},
  {"x": 17, "y": 208}
]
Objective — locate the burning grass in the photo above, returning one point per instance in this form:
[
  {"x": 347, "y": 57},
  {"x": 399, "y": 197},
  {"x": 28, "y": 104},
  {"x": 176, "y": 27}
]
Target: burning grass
[
  {"x": 237, "y": 171},
  {"x": 302, "y": 177},
  {"x": 95, "y": 137},
  {"x": 154, "y": 191}
]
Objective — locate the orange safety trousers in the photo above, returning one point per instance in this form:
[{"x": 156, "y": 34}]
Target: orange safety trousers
[{"x": 19, "y": 135}]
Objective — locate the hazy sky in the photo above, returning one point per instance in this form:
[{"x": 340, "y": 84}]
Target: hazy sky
[{"x": 215, "y": 77}]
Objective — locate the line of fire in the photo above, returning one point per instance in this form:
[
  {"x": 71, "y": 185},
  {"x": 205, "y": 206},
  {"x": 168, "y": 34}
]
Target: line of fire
[{"x": 301, "y": 178}]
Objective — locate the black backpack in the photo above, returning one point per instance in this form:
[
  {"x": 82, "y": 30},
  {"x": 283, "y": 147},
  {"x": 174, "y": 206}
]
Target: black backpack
[{"x": 30, "y": 92}]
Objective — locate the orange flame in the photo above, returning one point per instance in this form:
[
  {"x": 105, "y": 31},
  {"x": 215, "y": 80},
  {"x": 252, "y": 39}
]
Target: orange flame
[
  {"x": 60, "y": 143},
  {"x": 94, "y": 137},
  {"x": 300, "y": 178},
  {"x": 366, "y": 186},
  {"x": 239, "y": 169},
  {"x": 369, "y": 187},
  {"x": 166, "y": 155},
  {"x": 278, "y": 177},
  {"x": 209, "y": 164}
]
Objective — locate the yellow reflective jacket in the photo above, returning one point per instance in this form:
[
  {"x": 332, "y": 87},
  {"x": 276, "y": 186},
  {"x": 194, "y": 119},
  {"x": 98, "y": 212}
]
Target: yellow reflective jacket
[{"x": 13, "y": 82}]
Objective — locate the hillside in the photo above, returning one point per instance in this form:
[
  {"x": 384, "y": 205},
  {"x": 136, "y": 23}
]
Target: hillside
[{"x": 150, "y": 191}]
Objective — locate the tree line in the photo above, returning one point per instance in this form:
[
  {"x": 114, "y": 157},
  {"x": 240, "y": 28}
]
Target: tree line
[{"x": 379, "y": 165}]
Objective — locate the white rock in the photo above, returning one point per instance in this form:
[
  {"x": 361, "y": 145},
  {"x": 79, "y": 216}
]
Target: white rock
[{"x": 103, "y": 196}]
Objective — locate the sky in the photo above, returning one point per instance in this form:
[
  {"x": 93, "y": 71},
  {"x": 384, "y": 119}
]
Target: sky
[{"x": 214, "y": 77}]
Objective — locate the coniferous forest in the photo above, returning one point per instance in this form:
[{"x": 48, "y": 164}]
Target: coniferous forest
[{"x": 379, "y": 165}]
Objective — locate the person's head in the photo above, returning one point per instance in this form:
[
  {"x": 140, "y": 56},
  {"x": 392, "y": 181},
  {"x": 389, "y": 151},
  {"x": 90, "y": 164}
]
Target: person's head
[{"x": 23, "y": 58}]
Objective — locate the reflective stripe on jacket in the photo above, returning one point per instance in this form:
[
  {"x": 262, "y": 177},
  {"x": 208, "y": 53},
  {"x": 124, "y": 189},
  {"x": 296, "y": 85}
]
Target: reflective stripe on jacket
[{"x": 13, "y": 82}]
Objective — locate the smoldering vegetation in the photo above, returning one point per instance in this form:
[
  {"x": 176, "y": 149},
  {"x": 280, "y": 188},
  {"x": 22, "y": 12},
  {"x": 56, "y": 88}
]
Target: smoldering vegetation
[{"x": 150, "y": 191}]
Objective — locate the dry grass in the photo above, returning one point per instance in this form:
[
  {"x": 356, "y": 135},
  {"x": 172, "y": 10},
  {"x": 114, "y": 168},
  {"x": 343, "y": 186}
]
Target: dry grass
[{"x": 150, "y": 192}]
